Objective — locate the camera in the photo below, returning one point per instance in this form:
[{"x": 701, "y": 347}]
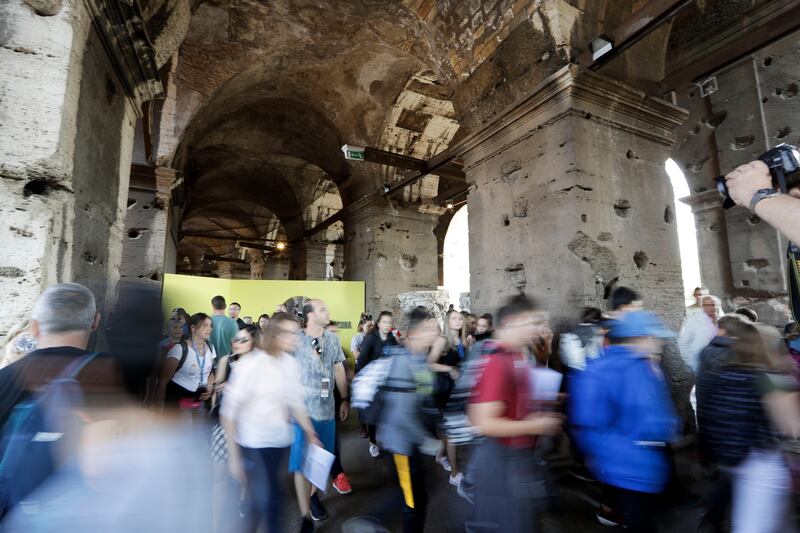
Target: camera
[{"x": 782, "y": 160}]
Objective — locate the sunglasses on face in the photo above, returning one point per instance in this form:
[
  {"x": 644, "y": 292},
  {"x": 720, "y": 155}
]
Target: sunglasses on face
[{"x": 241, "y": 339}]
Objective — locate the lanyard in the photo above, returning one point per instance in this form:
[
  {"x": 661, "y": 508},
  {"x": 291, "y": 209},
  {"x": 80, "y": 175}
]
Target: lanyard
[
  {"x": 201, "y": 364},
  {"x": 460, "y": 351}
]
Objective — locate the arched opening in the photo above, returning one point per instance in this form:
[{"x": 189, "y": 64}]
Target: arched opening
[
  {"x": 456, "y": 258},
  {"x": 687, "y": 233}
]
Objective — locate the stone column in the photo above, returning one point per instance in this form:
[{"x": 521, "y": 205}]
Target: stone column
[
  {"x": 146, "y": 224},
  {"x": 68, "y": 123},
  {"x": 316, "y": 260},
  {"x": 257, "y": 264},
  {"x": 712, "y": 242},
  {"x": 570, "y": 199},
  {"x": 225, "y": 270},
  {"x": 392, "y": 249}
]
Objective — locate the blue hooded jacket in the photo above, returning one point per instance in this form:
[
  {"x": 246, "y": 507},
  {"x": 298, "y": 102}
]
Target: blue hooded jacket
[{"x": 623, "y": 417}]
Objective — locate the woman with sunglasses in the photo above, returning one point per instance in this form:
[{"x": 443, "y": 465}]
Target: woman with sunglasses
[
  {"x": 263, "y": 396},
  {"x": 243, "y": 345}
]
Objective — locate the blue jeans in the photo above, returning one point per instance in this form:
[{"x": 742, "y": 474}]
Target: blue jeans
[{"x": 263, "y": 468}]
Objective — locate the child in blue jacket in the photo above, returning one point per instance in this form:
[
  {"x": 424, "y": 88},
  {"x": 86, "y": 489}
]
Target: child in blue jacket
[{"x": 623, "y": 416}]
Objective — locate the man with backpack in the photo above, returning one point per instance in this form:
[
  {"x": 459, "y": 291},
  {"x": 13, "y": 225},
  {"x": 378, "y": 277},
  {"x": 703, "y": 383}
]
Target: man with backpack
[
  {"x": 38, "y": 390},
  {"x": 402, "y": 413},
  {"x": 508, "y": 478}
]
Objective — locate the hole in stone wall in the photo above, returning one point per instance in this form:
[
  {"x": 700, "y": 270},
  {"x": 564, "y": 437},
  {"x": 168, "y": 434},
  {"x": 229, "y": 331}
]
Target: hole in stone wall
[
  {"x": 745, "y": 283},
  {"x": 134, "y": 233},
  {"x": 622, "y": 208},
  {"x": 37, "y": 187},
  {"x": 764, "y": 100},
  {"x": 131, "y": 202},
  {"x": 155, "y": 276},
  {"x": 767, "y": 61},
  {"x": 641, "y": 259},
  {"x": 790, "y": 91},
  {"x": 506, "y": 222},
  {"x": 669, "y": 214},
  {"x": 740, "y": 143},
  {"x": 783, "y": 132},
  {"x": 583, "y": 218},
  {"x": 111, "y": 89},
  {"x": 630, "y": 154}
]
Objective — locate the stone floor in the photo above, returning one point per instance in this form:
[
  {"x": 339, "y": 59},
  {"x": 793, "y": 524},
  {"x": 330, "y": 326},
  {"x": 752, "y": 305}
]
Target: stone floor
[{"x": 376, "y": 495}]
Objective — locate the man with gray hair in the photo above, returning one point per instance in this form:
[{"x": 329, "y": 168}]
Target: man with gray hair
[
  {"x": 698, "y": 330},
  {"x": 62, "y": 321}
]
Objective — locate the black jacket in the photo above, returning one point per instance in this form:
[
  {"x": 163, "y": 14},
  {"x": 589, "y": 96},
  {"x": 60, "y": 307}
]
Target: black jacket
[
  {"x": 716, "y": 353},
  {"x": 372, "y": 348}
]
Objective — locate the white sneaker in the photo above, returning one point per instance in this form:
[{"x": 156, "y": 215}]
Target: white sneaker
[
  {"x": 442, "y": 460},
  {"x": 457, "y": 479},
  {"x": 374, "y": 451}
]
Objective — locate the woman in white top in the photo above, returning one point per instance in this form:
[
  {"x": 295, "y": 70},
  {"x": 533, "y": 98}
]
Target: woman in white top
[
  {"x": 186, "y": 377},
  {"x": 261, "y": 398}
]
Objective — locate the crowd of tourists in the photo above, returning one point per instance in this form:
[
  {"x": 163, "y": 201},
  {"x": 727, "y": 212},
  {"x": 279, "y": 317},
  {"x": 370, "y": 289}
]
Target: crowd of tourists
[{"x": 483, "y": 400}]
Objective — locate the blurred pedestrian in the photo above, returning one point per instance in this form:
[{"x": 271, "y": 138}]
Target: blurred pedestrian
[
  {"x": 508, "y": 477},
  {"x": 401, "y": 429},
  {"x": 623, "y": 419},
  {"x": 374, "y": 347},
  {"x": 262, "y": 396},
  {"x": 746, "y": 405}
]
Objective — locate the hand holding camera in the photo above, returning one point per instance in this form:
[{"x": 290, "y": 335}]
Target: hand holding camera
[{"x": 746, "y": 180}]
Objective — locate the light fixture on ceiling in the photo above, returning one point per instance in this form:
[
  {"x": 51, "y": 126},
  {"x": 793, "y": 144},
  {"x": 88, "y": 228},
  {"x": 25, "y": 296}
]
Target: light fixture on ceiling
[
  {"x": 449, "y": 204},
  {"x": 600, "y": 46},
  {"x": 386, "y": 189},
  {"x": 280, "y": 246}
]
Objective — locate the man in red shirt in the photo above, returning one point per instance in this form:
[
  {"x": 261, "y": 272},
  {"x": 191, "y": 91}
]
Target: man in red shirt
[{"x": 508, "y": 477}]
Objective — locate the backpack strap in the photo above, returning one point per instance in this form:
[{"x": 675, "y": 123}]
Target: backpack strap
[
  {"x": 184, "y": 354},
  {"x": 72, "y": 370}
]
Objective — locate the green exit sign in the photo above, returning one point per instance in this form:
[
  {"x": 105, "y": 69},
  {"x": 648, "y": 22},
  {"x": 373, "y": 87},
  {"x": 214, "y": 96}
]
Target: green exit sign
[{"x": 353, "y": 153}]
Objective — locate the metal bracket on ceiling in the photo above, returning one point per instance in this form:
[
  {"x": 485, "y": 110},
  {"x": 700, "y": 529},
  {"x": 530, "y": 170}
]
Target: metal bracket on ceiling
[{"x": 708, "y": 86}]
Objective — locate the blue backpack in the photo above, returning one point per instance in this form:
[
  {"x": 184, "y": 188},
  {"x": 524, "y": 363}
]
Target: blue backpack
[{"x": 36, "y": 434}]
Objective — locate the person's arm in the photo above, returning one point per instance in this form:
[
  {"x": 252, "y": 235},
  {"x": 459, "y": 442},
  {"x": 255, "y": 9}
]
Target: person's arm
[
  {"x": 488, "y": 419},
  {"x": 781, "y": 212},
  {"x": 341, "y": 384},
  {"x": 783, "y": 408}
]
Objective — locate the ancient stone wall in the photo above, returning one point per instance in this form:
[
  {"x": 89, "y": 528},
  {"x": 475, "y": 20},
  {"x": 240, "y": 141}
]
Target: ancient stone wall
[
  {"x": 756, "y": 106},
  {"x": 64, "y": 155},
  {"x": 392, "y": 249}
]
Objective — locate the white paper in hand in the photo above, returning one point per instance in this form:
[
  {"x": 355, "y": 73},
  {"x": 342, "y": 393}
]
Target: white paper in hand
[
  {"x": 546, "y": 383},
  {"x": 317, "y": 466}
]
